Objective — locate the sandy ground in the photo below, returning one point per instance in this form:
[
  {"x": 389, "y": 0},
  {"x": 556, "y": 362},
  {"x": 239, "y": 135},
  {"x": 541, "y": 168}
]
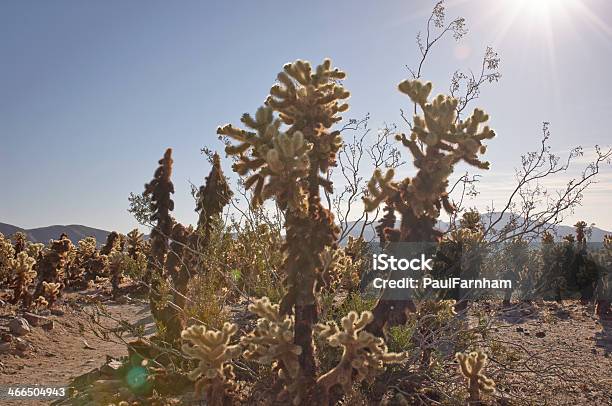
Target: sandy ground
[
  {"x": 555, "y": 355},
  {"x": 69, "y": 349},
  {"x": 540, "y": 354}
]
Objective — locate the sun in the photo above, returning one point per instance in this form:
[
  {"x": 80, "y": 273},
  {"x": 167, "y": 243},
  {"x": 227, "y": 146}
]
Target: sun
[
  {"x": 544, "y": 7},
  {"x": 539, "y": 9}
]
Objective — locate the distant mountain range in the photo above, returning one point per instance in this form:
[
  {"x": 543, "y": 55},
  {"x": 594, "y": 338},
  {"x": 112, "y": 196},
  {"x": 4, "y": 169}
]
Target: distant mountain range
[
  {"x": 76, "y": 232},
  {"x": 597, "y": 234}
]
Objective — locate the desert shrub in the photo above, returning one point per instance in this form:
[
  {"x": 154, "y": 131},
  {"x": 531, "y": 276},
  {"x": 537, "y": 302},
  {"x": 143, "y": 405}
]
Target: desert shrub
[
  {"x": 249, "y": 254},
  {"x": 135, "y": 268},
  {"x": 207, "y": 300}
]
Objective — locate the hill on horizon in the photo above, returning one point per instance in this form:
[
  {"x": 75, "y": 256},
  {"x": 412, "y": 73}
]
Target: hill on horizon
[
  {"x": 597, "y": 234},
  {"x": 77, "y": 232}
]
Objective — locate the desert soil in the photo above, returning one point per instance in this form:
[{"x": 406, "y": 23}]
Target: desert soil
[
  {"x": 71, "y": 348},
  {"x": 540, "y": 354}
]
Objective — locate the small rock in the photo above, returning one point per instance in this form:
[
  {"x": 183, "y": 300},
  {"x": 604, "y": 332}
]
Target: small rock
[
  {"x": 57, "y": 312},
  {"x": 19, "y": 326},
  {"x": 527, "y": 333},
  {"x": 34, "y": 319},
  {"x": 594, "y": 351},
  {"x": 520, "y": 329},
  {"x": 6, "y": 337},
  {"x": 111, "y": 368},
  {"x": 540, "y": 334},
  {"x": 5, "y": 347},
  {"x": 121, "y": 300},
  {"x": 44, "y": 312},
  {"x": 86, "y": 345},
  {"x": 48, "y": 326}
]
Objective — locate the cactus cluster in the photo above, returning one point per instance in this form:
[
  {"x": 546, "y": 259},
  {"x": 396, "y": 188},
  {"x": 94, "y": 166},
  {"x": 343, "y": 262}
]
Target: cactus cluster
[
  {"x": 52, "y": 266},
  {"x": 174, "y": 247},
  {"x": 271, "y": 342}
]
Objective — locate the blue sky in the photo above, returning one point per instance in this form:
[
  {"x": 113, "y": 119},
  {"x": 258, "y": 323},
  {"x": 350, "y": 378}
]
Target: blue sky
[{"x": 93, "y": 92}]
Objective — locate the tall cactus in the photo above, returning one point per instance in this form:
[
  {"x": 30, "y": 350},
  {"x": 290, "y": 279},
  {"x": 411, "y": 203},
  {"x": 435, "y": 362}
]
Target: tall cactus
[
  {"x": 177, "y": 257},
  {"x": 438, "y": 142},
  {"x": 159, "y": 190},
  {"x": 287, "y": 165}
]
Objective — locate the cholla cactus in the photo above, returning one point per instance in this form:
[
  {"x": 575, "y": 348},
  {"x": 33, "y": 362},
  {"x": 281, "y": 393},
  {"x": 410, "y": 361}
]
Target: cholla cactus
[
  {"x": 89, "y": 262},
  {"x": 471, "y": 220},
  {"x": 214, "y": 374},
  {"x": 461, "y": 254},
  {"x": 87, "y": 248},
  {"x": 472, "y": 368},
  {"x": 7, "y": 254},
  {"x": 175, "y": 266},
  {"x": 339, "y": 270},
  {"x": 279, "y": 157},
  {"x": 212, "y": 197},
  {"x": 40, "y": 303},
  {"x": 363, "y": 356},
  {"x": 34, "y": 249},
  {"x": 51, "y": 267},
  {"x": 438, "y": 142},
  {"x": 112, "y": 243},
  {"x": 116, "y": 263},
  {"x": 271, "y": 342},
  {"x": 159, "y": 190},
  {"x": 581, "y": 232},
  {"x": 24, "y": 276},
  {"x": 21, "y": 242},
  {"x": 446, "y": 142},
  {"x": 135, "y": 243},
  {"x": 288, "y": 166},
  {"x": 51, "y": 291},
  {"x": 547, "y": 238}
]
